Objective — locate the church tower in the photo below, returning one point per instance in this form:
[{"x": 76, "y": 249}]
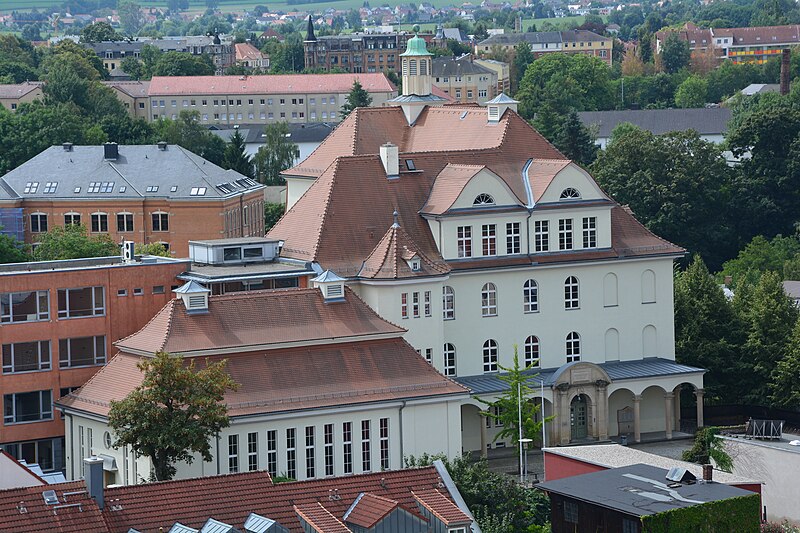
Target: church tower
[
  {"x": 310, "y": 45},
  {"x": 415, "y": 65}
]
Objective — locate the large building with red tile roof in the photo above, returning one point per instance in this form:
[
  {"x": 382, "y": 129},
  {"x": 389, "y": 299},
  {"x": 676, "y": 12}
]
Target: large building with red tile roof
[
  {"x": 465, "y": 226},
  {"x": 326, "y": 386}
]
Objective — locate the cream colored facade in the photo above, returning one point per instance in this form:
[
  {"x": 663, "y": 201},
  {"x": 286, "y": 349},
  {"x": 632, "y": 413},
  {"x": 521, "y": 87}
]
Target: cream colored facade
[
  {"x": 12, "y": 96},
  {"x": 501, "y": 70},
  {"x": 474, "y": 88}
]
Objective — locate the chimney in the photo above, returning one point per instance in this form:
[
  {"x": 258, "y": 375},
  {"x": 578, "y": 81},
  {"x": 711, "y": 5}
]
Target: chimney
[
  {"x": 162, "y": 145},
  {"x": 67, "y": 147},
  {"x": 785, "y": 68},
  {"x": 708, "y": 473},
  {"x": 110, "y": 151},
  {"x": 93, "y": 476},
  {"x": 390, "y": 157}
]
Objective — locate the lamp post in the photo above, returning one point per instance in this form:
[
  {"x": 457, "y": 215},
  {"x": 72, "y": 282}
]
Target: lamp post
[{"x": 523, "y": 443}]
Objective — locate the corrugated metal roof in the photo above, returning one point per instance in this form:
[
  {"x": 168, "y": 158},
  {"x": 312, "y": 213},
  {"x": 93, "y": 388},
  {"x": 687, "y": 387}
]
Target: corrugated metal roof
[{"x": 617, "y": 370}]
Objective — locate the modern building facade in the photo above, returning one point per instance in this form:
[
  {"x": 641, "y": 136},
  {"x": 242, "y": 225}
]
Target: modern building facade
[
  {"x": 548, "y": 42},
  {"x": 467, "y": 227},
  {"x": 150, "y": 193},
  {"x": 58, "y": 323},
  {"x": 464, "y": 80}
]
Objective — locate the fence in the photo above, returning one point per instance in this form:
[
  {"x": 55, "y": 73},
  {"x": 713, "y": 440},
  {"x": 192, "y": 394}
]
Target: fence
[{"x": 732, "y": 415}]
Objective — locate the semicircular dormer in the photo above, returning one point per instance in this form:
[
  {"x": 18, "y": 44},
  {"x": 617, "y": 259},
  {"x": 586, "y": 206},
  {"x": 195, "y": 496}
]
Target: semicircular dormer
[
  {"x": 483, "y": 199},
  {"x": 570, "y": 193}
]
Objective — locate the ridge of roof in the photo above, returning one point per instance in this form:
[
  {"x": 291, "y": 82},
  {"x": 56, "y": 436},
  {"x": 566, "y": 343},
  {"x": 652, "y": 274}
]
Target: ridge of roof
[
  {"x": 333, "y": 171},
  {"x": 320, "y": 518},
  {"x": 169, "y": 310}
]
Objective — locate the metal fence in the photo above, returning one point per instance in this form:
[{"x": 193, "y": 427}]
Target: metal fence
[{"x": 732, "y": 415}]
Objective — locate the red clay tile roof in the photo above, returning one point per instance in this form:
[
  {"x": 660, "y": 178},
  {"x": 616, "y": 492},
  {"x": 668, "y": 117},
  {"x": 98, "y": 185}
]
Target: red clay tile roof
[
  {"x": 24, "y": 510},
  {"x": 231, "y": 498},
  {"x": 389, "y": 258},
  {"x": 245, "y": 51},
  {"x": 272, "y": 84},
  {"x": 448, "y": 186},
  {"x": 274, "y": 318},
  {"x": 541, "y": 174},
  {"x": 320, "y": 518},
  {"x": 441, "y": 506},
  {"x": 290, "y": 379},
  {"x": 369, "y": 509}
]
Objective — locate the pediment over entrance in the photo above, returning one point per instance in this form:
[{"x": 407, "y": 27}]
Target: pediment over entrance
[{"x": 579, "y": 373}]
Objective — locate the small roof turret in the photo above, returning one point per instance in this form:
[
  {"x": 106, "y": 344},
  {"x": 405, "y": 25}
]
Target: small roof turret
[
  {"x": 502, "y": 98},
  {"x": 416, "y": 46}
]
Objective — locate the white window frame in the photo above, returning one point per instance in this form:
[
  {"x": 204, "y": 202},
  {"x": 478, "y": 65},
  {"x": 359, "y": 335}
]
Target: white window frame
[
  {"x": 573, "y": 347},
  {"x": 541, "y": 235},
  {"x": 464, "y": 236},
  {"x": 449, "y": 351},
  {"x": 448, "y": 303},
  {"x": 531, "y": 351},
  {"x": 565, "y": 240},
  {"x": 489, "y": 240},
  {"x": 530, "y": 296},
  {"x": 490, "y": 356},
  {"x": 233, "y": 453},
  {"x": 512, "y": 238},
  {"x": 489, "y": 300},
  {"x": 572, "y": 293},
  {"x": 590, "y": 232}
]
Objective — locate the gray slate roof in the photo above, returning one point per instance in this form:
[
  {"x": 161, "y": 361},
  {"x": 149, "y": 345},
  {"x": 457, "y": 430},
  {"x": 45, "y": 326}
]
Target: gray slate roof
[
  {"x": 450, "y": 66},
  {"x": 136, "y": 169},
  {"x": 706, "y": 121},
  {"x": 298, "y": 133},
  {"x": 639, "y": 490},
  {"x": 535, "y": 37},
  {"x": 617, "y": 370}
]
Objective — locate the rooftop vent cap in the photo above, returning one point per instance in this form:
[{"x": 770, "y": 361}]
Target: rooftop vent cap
[
  {"x": 162, "y": 145},
  {"x": 194, "y": 296},
  {"x": 67, "y": 147}
]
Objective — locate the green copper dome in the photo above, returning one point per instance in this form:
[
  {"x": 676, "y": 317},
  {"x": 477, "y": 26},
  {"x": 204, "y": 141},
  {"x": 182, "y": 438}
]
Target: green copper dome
[{"x": 416, "y": 46}]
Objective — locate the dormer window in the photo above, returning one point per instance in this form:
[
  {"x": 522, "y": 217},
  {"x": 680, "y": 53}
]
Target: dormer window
[
  {"x": 570, "y": 193},
  {"x": 483, "y": 199}
]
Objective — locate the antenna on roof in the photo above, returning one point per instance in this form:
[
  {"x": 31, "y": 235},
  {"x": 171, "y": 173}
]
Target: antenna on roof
[{"x": 395, "y": 216}]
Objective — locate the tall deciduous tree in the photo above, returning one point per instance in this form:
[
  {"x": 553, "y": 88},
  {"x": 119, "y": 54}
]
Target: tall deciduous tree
[
  {"x": 523, "y": 56},
  {"x": 357, "y": 97},
  {"x": 174, "y": 412},
  {"x": 277, "y": 154},
  {"x": 130, "y": 16},
  {"x": 236, "y": 157},
  {"x": 575, "y": 141},
  {"x": 784, "y": 388},
  {"x": 180, "y": 64},
  {"x": 188, "y": 132},
  {"x": 12, "y": 250},
  {"x": 99, "y": 32},
  {"x": 73, "y": 242},
  {"x": 693, "y": 92},
  {"x": 675, "y": 53}
]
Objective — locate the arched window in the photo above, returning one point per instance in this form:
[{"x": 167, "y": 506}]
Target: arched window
[
  {"x": 423, "y": 67},
  {"x": 570, "y": 193},
  {"x": 610, "y": 290},
  {"x": 612, "y": 344},
  {"x": 489, "y": 300},
  {"x": 490, "y": 356},
  {"x": 449, "y": 359},
  {"x": 530, "y": 296},
  {"x": 483, "y": 199},
  {"x": 412, "y": 67},
  {"x": 649, "y": 341},
  {"x": 448, "y": 303},
  {"x": 532, "y": 351},
  {"x": 573, "y": 347},
  {"x": 571, "y": 300},
  {"x": 648, "y": 287}
]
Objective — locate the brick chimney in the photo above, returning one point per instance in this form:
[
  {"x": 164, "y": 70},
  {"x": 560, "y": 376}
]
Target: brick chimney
[
  {"x": 785, "y": 71},
  {"x": 708, "y": 473}
]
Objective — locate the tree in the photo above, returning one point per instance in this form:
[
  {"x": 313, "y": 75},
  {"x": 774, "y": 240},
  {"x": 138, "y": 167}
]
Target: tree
[
  {"x": 152, "y": 248},
  {"x": 174, "y": 411},
  {"x": 783, "y": 387},
  {"x": 272, "y": 213},
  {"x": 12, "y": 250},
  {"x": 30, "y": 32},
  {"x": 277, "y": 154},
  {"x": 236, "y": 157},
  {"x": 130, "y": 16},
  {"x": 675, "y": 53},
  {"x": 523, "y": 56},
  {"x": 707, "y": 446},
  {"x": 357, "y": 97},
  {"x": 83, "y": 60},
  {"x": 181, "y": 64},
  {"x": 133, "y": 68},
  {"x": 188, "y": 132},
  {"x": 99, "y": 32},
  {"x": 759, "y": 256},
  {"x": 575, "y": 141},
  {"x": 693, "y": 92},
  {"x": 73, "y": 242}
]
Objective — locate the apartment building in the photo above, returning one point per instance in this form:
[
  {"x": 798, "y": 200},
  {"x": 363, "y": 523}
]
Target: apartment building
[
  {"x": 464, "y": 79},
  {"x": 133, "y": 95},
  {"x": 12, "y": 95},
  {"x": 236, "y": 100},
  {"x": 58, "y": 321},
  {"x": 150, "y": 193},
  {"x": 547, "y": 42},
  {"x": 501, "y": 70},
  {"x": 251, "y": 57}
]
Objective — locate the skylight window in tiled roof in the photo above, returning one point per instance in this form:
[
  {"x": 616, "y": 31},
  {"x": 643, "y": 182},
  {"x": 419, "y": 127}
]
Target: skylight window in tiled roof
[
  {"x": 174, "y": 188},
  {"x": 483, "y": 199},
  {"x": 31, "y": 187},
  {"x": 152, "y": 188},
  {"x": 94, "y": 187},
  {"x": 77, "y": 190},
  {"x": 50, "y": 187},
  {"x": 197, "y": 191},
  {"x": 410, "y": 164},
  {"x": 224, "y": 188},
  {"x": 107, "y": 186},
  {"x": 123, "y": 188}
]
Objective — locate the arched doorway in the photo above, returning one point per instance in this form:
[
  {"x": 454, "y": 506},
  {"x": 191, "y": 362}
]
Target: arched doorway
[{"x": 579, "y": 417}]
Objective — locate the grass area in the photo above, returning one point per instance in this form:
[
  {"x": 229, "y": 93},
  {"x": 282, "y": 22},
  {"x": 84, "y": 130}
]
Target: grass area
[{"x": 526, "y": 23}]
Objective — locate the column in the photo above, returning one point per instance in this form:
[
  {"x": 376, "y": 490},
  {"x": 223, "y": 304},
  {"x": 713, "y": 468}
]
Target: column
[
  {"x": 669, "y": 400},
  {"x": 699, "y": 395},
  {"x": 602, "y": 412},
  {"x": 564, "y": 425},
  {"x": 482, "y": 422},
  {"x": 677, "y": 411},
  {"x": 637, "y": 428}
]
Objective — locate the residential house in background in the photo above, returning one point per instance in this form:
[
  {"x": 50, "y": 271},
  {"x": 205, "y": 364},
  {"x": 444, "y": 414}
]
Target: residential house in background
[
  {"x": 464, "y": 79},
  {"x": 149, "y": 193},
  {"x": 547, "y": 42},
  {"x": 12, "y": 95},
  {"x": 501, "y": 70},
  {"x": 465, "y": 226},
  {"x": 58, "y": 320},
  {"x": 251, "y": 57},
  {"x": 327, "y": 387},
  {"x": 133, "y": 95}
]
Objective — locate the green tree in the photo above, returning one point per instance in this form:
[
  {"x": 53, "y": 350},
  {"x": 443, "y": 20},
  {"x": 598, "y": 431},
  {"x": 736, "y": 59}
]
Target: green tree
[
  {"x": 12, "y": 250},
  {"x": 272, "y": 213},
  {"x": 174, "y": 412},
  {"x": 277, "y": 154},
  {"x": 181, "y": 64},
  {"x": 152, "y": 248},
  {"x": 83, "y": 60},
  {"x": 575, "y": 141},
  {"x": 130, "y": 16},
  {"x": 675, "y": 53},
  {"x": 73, "y": 242},
  {"x": 236, "y": 157},
  {"x": 188, "y": 132},
  {"x": 99, "y": 32},
  {"x": 16, "y": 72},
  {"x": 357, "y": 97},
  {"x": 30, "y": 32},
  {"x": 523, "y": 56},
  {"x": 761, "y": 255},
  {"x": 133, "y": 68},
  {"x": 708, "y": 446},
  {"x": 783, "y": 387},
  {"x": 693, "y": 92}
]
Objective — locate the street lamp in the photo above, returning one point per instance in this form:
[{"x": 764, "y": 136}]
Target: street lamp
[{"x": 523, "y": 443}]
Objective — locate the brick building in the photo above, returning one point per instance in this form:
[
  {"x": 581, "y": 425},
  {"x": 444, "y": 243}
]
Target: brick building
[
  {"x": 151, "y": 193},
  {"x": 58, "y": 320}
]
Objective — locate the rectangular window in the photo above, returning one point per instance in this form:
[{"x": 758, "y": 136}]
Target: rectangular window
[
  {"x": 449, "y": 360},
  {"x": 252, "y": 451},
  {"x": 291, "y": 457},
  {"x": 570, "y": 512},
  {"x": 31, "y": 306},
  {"x": 415, "y": 304},
  {"x": 161, "y": 221},
  {"x": 38, "y": 223},
  {"x": 310, "y": 458},
  {"x": 565, "y": 234},
  {"x": 347, "y": 447},
  {"x": 590, "y": 232},
  {"x": 541, "y": 235},
  {"x": 233, "y": 453},
  {"x": 427, "y": 301},
  {"x": 404, "y": 305},
  {"x": 366, "y": 459},
  {"x": 328, "y": 434},
  {"x": 465, "y": 241},
  {"x": 272, "y": 452},
  {"x": 489, "y": 239},
  {"x": 99, "y": 223},
  {"x": 40, "y": 452},
  {"x": 512, "y": 238},
  {"x": 124, "y": 222},
  {"x": 72, "y": 218},
  {"x": 82, "y": 351},
  {"x": 75, "y": 303},
  {"x": 26, "y": 357},
  {"x": 384, "y": 443},
  {"x": 429, "y": 355},
  {"x": 27, "y": 407}
]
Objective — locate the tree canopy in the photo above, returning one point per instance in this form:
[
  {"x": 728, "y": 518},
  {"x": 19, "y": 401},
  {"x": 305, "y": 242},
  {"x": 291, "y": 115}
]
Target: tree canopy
[
  {"x": 236, "y": 157},
  {"x": 277, "y": 154},
  {"x": 73, "y": 242},
  {"x": 357, "y": 97},
  {"x": 12, "y": 250},
  {"x": 174, "y": 412}
]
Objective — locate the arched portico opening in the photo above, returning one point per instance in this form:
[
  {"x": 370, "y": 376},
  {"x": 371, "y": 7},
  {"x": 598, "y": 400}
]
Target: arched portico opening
[
  {"x": 621, "y": 414},
  {"x": 689, "y": 399},
  {"x": 473, "y": 430}
]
